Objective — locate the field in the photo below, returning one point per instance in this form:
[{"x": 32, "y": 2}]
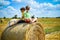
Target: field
[{"x": 51, "y": 27}]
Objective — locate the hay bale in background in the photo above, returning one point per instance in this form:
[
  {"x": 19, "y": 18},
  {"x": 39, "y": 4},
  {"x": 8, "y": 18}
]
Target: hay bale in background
[{"x": 24, "y": 31}]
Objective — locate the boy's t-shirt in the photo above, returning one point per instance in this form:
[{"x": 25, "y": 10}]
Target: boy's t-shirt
[{"x": 27, "y": 15}]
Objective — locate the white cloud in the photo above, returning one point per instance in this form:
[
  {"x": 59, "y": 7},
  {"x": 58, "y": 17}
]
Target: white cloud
[
  {"x": 3, "y": 2},
  {"x": 43, "y": 8},
  {"x": 56, "y": 0},
  {"x": 35, "y": 5},
  {"x": 37, "y": 9},
  {"x": 11, "y": 8},
  {"x": 9, "y": 12},
  {"x": 16, "y": 0}
]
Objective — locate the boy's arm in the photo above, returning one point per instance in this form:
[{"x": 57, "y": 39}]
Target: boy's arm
[{"x": 22, "y": 16}]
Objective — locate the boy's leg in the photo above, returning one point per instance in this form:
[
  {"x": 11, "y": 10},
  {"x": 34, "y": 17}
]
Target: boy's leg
[
  {"x": 12, "y": 22},
  {"x": 30, "y": 20},
  {"x": 27, "y": 20},
  {"x": 21, "y": 21}
]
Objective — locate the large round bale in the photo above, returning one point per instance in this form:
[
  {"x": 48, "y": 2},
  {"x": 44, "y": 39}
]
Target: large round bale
[{"x": 24, "y": 31}]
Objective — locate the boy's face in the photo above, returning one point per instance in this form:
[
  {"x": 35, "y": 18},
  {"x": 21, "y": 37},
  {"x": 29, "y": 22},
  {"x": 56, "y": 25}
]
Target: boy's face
[
  {"x": 27, "y": 9},
  {"x": 22, "y": 11}
]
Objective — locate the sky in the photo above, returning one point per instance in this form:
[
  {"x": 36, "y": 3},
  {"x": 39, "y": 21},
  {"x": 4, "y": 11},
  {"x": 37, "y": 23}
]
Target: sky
[{"x": 38, "y": 8}]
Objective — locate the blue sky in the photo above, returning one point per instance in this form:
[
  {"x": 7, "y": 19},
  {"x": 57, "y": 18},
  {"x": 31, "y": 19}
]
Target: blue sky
[{"x": 39, "y": 8}]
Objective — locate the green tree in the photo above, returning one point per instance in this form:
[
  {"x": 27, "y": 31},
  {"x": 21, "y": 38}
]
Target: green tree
[
  {"x": 15, "y": 16},
  {"x": 4, "y": 17}
]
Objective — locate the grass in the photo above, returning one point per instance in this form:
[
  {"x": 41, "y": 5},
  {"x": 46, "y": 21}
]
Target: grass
[
  {"x": 53, "y": 29},
  {"x": 49, "y": 24}
]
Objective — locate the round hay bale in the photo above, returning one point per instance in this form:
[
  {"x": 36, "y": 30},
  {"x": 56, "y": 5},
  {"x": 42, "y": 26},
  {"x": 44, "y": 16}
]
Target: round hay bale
[{"x": 24, "y": 31}]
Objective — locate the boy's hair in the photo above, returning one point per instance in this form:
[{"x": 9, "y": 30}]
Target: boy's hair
[
  {"x": 22, "y": 8},
  {"x": 27, "y": 7}
]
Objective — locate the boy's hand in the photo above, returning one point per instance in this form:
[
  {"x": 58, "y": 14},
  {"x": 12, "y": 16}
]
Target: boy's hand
[{"x": 22, "y": 16}]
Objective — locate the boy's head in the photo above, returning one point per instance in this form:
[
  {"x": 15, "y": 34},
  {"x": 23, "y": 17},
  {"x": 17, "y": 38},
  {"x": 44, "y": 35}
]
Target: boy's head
[
  {"x": 27, "y": 8},
  {"x": 22, "y": 9}
]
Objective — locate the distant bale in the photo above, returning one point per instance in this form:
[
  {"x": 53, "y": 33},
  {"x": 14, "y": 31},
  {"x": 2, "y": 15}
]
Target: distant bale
[
  {"x": 53, "y": 36},
  {"x": 24, "y": 31},
  {"x": 1, "y": 21}
]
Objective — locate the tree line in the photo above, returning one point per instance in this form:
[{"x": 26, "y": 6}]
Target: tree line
[{"x": 16, "y": 17}]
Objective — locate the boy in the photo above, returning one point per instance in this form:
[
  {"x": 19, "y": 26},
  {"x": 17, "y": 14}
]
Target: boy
[
  {"x": 28, "y": 16},
  {"x": 22, "y": 11},
  {"x": 17, "y": 21},
  {"x": 22, "y": 18}
]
